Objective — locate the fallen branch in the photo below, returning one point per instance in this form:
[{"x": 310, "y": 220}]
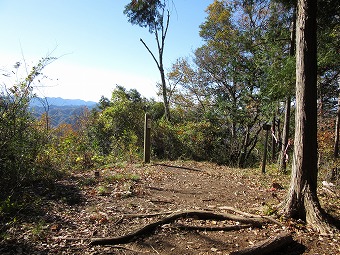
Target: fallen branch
[
  {"x": 268, "y": 246},
  {"x": 148, "y": 229}
]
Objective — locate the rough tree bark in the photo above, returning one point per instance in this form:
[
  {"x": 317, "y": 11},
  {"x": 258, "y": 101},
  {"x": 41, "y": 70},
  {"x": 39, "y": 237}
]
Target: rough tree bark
[{"x": 302, "y": 201}]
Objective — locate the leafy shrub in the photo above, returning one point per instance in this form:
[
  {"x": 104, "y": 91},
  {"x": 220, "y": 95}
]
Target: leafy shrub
[
  {"x": 20, "y": 139},
  {"x": 116, "y": 131}
]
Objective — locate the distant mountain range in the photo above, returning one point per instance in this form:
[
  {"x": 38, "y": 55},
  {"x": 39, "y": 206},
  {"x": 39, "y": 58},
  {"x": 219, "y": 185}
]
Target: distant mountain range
[
  {"x": 60, "y": 110},
  {"x": 58, "y": 101}
]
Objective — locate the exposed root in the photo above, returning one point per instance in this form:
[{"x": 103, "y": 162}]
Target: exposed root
[
  {"x": 150, "y": 228},
  {"x": 214, "y": 228},
  {"x": 307, "y": 209},
  {"x": 316, "y": 217},
  {"x": 251, "y": 215}
]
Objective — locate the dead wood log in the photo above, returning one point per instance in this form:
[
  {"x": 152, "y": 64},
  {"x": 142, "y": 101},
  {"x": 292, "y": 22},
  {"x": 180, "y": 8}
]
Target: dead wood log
[
  {"x": 148, "y": 229},
  {"x": 267, "y": 246}
]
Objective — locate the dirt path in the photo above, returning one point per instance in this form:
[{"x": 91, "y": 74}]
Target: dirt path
[{"x": 67, "y": 215}]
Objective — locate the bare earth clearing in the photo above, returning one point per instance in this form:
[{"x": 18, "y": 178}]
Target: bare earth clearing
[{"x": 64, "y": 217}]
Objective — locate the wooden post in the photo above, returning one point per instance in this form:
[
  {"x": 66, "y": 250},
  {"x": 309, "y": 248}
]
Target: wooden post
[
  {"x": 267, "y": 128},
  {"x": 147, "y": 140}
]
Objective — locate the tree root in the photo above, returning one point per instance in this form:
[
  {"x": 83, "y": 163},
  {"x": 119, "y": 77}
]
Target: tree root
[
  {"x": 250, "y": 215},
  {"x": 202, "y": 215},
  {"x": 308, "y": 209},
  {"x": 214, "y": 228},
  {"x": 268, "y": 246}
]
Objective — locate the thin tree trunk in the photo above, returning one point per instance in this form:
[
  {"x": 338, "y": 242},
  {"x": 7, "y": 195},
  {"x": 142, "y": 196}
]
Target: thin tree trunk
[
  {"x": 243, "y": 152},
  {"x": 337, "y": 130},
  {"x": 160, "y": 39},
  {"x": 273, "y": 139},
  {"x": 302, "y": 201},
  {"x": 285, "y": 136},
  {"x": 164, "y": 93}
]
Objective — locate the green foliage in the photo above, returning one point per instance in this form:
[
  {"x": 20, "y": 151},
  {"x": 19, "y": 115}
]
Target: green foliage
[
  {"x": 39, "y": 229},
  {"x": 269, "y": 210},
  {"x": 102, "y": 190},
  {"x": 205, "y": 140},
  {"x": 220, "y": 99},
  {"x": 145, "y": 13},
  {"x": 116, "y": 132},
  {"x": 20, "y": 140},
  {"x": 235, "y": 79},
  {"x": 8, "y": 206},
  {"x": 328, "y": 51},
  {"x": 122, "y": 177}
]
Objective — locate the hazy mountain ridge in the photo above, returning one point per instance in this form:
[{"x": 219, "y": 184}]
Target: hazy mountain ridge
[
  {"x": 60, "y": 110},
  {"x": 58, "y": 101}
]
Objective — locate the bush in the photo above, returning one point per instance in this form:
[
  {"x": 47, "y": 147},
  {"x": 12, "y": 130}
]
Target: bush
[{"x": 20, "y": 140}]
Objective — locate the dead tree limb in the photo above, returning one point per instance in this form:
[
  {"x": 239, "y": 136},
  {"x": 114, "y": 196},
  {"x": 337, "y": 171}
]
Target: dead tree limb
[
  {"x": 268, "y": 246},
  {"x": 150, "y": 228}
]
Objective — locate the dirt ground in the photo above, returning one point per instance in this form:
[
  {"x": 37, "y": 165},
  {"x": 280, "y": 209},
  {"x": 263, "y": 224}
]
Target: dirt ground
[{"x": 63, "y": 218}]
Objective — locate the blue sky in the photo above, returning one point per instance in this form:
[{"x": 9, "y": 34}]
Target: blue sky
[{"x": 97, "y": 45}]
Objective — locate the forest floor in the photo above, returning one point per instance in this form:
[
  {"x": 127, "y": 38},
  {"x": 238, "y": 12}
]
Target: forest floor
[{"x": 63, "y": 217}]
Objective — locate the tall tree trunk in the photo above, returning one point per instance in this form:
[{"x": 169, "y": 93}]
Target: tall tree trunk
[
  {"x": 160, "y": 39},
  {"x": 337, "y": 131},
  {"x": 302, "y": 201},
  {"x": 160, "y": 44}
]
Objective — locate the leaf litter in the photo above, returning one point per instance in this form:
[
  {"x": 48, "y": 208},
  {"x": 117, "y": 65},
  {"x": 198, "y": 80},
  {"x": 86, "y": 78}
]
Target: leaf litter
[{"x": 82, "y": 206}]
